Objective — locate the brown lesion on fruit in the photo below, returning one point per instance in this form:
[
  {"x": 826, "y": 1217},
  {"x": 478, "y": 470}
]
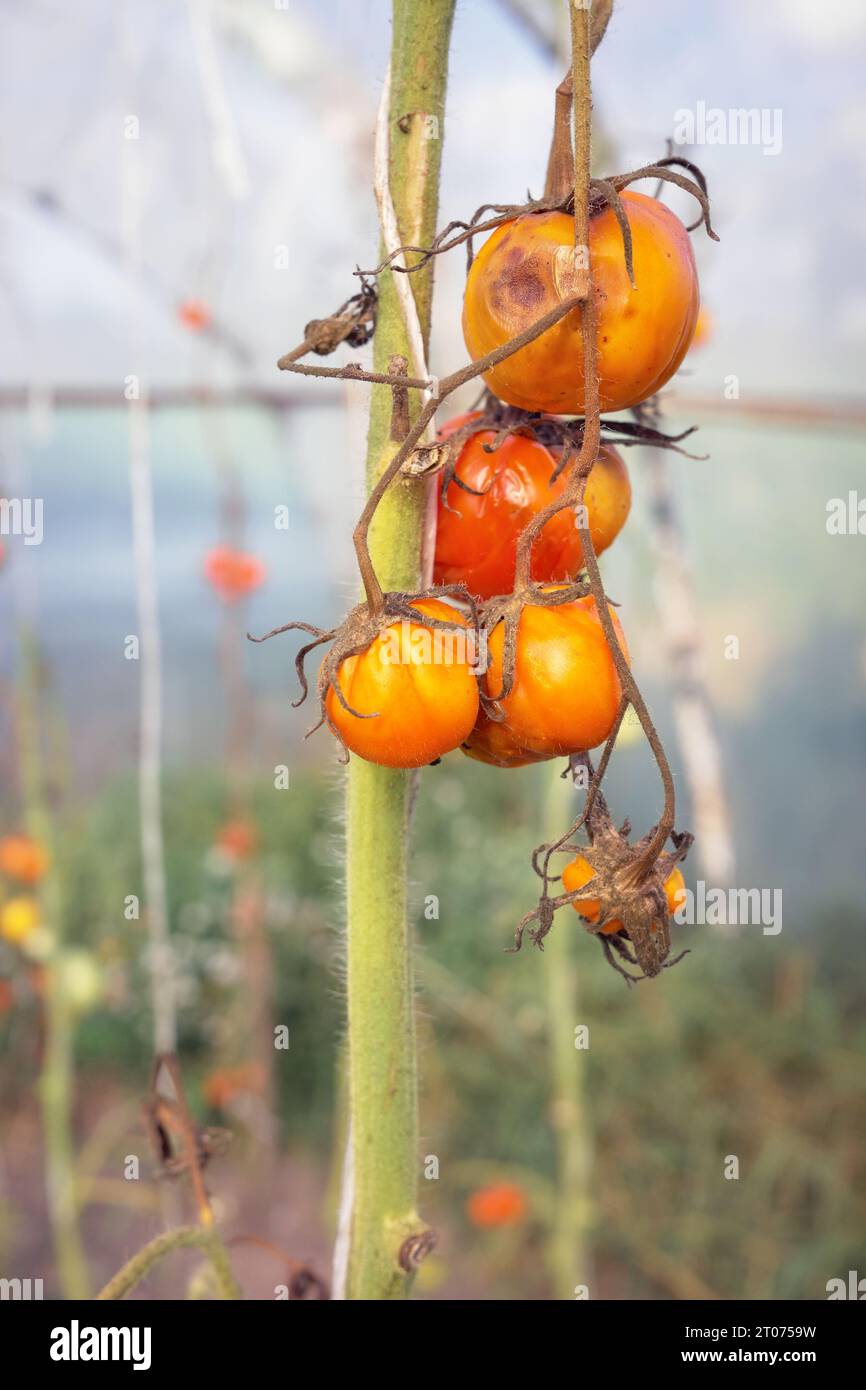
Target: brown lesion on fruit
[{"x": 520, "y": 286}]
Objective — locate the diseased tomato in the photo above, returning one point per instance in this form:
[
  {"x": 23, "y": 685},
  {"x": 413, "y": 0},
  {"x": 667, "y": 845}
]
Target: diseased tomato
[
  {"x": 494, "y": 743},
  {"x": 477, "y": 535},
  {"x": 418, "y": 683},
  {"x": 580, "y": 871},
  {"x": 522, "y": 272},
  {"x": 566, "y": 691}
]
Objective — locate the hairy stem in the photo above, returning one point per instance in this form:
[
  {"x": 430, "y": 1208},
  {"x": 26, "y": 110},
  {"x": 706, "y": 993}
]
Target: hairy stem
[
  {"x": 567, "y": 1252},
  {"x": 382, "y": 1064}
]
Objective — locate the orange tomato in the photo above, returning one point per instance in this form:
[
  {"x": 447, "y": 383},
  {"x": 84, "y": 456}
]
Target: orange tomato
[
  {"x": 194, "y": 314},
  {"x": 494, "y": 743},
  {"x": 237, "y": 839},
  {"x": 566, "y": 691},
  {"x": 22, "y": 858},
  {"x": 477, "y": 535},
  {"x": 418, "y": 683},
  {"x": 221, "y": 1086},
  {"x": 522, "y": 272},
  {"x": 233, "y": 573},
  {"x": 580, "y": 871},
  {"x": 500, "y": 1204}
]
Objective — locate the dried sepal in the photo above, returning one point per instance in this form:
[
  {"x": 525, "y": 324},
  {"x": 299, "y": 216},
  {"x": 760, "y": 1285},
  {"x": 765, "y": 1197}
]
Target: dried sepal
[
  {"x": 356, "y": 634},
  {"x": 626, "y": 887}
]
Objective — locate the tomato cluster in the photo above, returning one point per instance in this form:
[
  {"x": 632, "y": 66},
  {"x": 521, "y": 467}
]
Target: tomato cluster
[{"x": 550, "y": 684}]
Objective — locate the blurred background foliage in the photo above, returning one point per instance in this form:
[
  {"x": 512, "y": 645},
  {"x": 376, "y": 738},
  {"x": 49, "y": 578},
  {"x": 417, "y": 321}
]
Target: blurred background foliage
[{"x": 741, "y": 1050}]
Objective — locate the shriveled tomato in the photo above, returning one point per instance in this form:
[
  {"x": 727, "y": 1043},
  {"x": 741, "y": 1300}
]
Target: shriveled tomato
[
  {"x": 580, "y": 871},
  {"x": 419, "y": 685},
  {"x": 477, "y": 532},
  {"x": 523, "y": 271},
  {"x": 494, "y": 743},
  {"x": 566, "y": 690}
]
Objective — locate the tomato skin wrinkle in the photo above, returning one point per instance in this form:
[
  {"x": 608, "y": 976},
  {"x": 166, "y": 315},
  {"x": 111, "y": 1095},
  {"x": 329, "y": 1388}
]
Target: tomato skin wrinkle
[{"x": 477, "y": 535}]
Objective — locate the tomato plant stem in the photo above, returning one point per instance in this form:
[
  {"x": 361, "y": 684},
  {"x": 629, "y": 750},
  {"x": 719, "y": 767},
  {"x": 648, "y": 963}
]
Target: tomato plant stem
[
  {"x": 382, "y": 1065},
  {"x": 567, "y": 1252},
  {"x": 181, "y": 1238}
]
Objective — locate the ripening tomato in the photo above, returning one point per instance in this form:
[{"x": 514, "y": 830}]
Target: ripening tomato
[
  {"x": 237, "y": 839},
  {"x": 233, "y": 573},
  {"x": 194, "y": 314},
  {"x": 493, "y": 742},
  {"x": 477, "y": 535},
  {"x": 22, "y": 858},
  {"x": 580, "y": 871},
  {"x": 566, "y": 692},
  {"x": 419, "y": 684},
  {"x": 500, "y": 1204},
  {"x": 522, "y": 272}
]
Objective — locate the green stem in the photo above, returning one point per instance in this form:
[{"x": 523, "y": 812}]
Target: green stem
[
  {"x": 57, "y": 1075},
  {"x": 181, "y": 1238},
  {"x": 383, "y": 1100},
  {"x": 567, "y": 1254}
]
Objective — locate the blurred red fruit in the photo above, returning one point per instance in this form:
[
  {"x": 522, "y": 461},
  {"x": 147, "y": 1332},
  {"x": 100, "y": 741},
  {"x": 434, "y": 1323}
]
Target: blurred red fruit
[
  {"x": 237, "y": 839},
  {"x": 500, "y": 1204},
  {"x": 194, "y": 314},
  {"x": 233, "y": 573},
  {"x": 224, "y": 1084},
  {"x": 22, "y": 858}
]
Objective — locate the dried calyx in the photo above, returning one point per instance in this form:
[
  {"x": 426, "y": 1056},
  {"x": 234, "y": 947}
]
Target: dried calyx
[
  {"x": 563, "y": 436},
  {"x": 356, "y": 634},
  {"x": 625, "y": 886},
  {"x": 603, "y": 192}
]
